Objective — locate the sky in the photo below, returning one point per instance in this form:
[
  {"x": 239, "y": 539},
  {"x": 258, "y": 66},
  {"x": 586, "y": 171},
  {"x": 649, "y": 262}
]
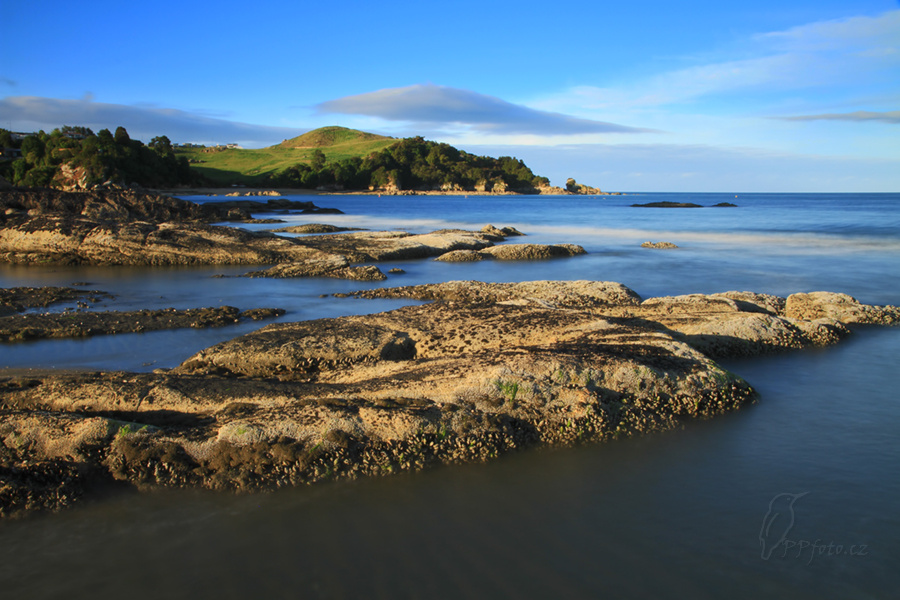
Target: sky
[{"x": 693, "y": 96}]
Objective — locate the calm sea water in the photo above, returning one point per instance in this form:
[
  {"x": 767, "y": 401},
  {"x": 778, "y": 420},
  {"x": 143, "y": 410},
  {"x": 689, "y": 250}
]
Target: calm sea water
[{"x": 672, "y": 515}]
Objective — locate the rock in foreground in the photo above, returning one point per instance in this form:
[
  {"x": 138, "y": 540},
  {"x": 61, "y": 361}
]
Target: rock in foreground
[{"x": 485, "y": 369}]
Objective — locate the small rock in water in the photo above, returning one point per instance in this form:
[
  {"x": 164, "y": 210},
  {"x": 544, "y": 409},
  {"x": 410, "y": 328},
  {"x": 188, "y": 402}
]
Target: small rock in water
[{"x": 659, "y": 245}]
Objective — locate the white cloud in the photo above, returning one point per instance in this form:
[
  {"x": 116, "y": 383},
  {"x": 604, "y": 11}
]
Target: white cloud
[
  {"x": 431, "y": 106},
  {"x": 862, "y": 33},
  {"x": 30, "y": 113}
]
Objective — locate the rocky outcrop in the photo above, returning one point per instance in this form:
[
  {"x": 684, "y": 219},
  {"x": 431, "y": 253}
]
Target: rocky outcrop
[
  {"x": 659, "y": 245},
  {"x": 19, "y": 204},
  {"x": 325, "y": 265},
  {"x": 71, "y": 178},
  {"x": 73, "y": 240},
  {"x": 584, "y": 295},
  {"x": 573, "y": 187},
  {"x": 378, "y": 246},
  {"x": 128, "y": 205},
  {"x": 255, "y": 193},
  {"x": 461, "y": 256},
  {"x": 720, "y": 325},
  {"x": 126, "y": 227},
  {"x": 533, "y": 251},
  {"x": 840, "y": 307},
  {"x": 338, "y": 253},
  {"x": 498, "y": 234},
  {"x": 514, "y": 252},
  {"x": 482, "y": 370}
]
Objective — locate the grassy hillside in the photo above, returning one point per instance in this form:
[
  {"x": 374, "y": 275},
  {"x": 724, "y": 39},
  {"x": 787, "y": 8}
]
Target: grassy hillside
[
  {"x": 326, "y": 137},
  {"x": 249, "y": 167}
]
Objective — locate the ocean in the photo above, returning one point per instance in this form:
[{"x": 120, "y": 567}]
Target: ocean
[{"x": 683, "y": 513}]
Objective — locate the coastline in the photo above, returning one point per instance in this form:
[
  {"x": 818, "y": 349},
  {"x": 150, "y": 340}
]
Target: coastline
[{"x": 267, "y": 191}]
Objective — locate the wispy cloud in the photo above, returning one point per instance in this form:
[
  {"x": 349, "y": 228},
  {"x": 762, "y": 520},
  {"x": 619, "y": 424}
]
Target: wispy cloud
[
  {"x": 831, "y": 53},
  {"x": 892, "y": 116},
  {"x": 7, "y": 81},
  {"x": 32, "y": 113},
  {"x": 862, "y": 33},
  {"x": 432, "y": 106}
]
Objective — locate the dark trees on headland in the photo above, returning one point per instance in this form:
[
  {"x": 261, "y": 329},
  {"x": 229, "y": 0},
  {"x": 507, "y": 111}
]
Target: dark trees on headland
[
  {"x": 414, "y": 164},
  {"x": 76, "y": 158}
]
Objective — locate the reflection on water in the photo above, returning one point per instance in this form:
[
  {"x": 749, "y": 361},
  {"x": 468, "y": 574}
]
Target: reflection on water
[{"x": 672, "y": 515}]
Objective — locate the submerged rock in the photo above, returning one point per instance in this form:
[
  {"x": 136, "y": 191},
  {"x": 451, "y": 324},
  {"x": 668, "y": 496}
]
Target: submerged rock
[
  {"x": 20, "y": 328},
  {"x": 667, "y": 204},
  {"x": 20, "y": 299},
  {"x": 314, "y": 228}
]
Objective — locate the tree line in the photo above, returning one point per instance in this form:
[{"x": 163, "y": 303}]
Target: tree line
[
  {"x": 70, "y": 154},
  {"x": 412, "y": 164},
  {"x": 54, "y": 159}
]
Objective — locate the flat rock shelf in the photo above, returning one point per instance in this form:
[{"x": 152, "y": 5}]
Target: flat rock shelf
[{"x": 482, "y": 370}]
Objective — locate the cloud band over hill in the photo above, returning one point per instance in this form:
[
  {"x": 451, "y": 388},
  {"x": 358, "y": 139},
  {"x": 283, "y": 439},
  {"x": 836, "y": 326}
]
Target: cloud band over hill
[{"x": 431, "y": 105}]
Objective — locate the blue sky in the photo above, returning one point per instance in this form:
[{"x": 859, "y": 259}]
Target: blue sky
[{"x": 691, "y": 96}]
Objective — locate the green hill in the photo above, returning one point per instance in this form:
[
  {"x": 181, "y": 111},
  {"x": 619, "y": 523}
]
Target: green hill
[
  {"x": 226, "y": 166},
  {"x": 331, "y": 158},
  {"x": 329, "y": 137},
  {"x": 338, "y": 158}
]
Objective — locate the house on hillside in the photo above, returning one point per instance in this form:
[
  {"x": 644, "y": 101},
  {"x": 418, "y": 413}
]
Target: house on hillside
[{"x": 10, "y": 153}]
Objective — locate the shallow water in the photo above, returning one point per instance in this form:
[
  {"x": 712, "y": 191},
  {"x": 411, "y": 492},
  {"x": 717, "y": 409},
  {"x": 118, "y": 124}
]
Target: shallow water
[{"x": 673, "y": 515}]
